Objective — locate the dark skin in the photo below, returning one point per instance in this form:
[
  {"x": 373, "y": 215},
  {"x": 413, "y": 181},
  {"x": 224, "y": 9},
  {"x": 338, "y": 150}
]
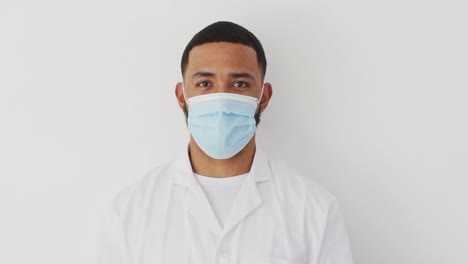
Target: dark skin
[{"x": 223, "y": 67}]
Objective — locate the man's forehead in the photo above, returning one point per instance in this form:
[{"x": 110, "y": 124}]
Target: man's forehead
[{"x": 232, "y": 57}]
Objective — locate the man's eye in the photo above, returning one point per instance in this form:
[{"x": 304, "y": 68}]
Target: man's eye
[
  {"x": 240, "y": 84},
  {"x": 203, "y": 84}
]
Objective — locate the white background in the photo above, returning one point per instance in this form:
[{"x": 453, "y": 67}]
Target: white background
[{"x": 370, "y": 100}]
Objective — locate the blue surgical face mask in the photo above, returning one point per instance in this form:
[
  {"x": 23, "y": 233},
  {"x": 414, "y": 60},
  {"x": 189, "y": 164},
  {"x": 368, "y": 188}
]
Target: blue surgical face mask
[{"x": 222, "y": 123}]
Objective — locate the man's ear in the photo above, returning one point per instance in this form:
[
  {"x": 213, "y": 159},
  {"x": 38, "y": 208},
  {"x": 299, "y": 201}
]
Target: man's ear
[
  {"x": 179, "y": 93},
  {"x": 267, "y": 94}
]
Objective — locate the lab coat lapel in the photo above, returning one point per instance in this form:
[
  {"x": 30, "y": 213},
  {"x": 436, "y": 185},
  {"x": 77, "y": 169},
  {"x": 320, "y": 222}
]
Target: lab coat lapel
[
  {"x": 249, "y": 198},
  {"x": 197, "y": 204},
  {"x": 246, "y": 201},
  {"x": 199, "y": 207}
]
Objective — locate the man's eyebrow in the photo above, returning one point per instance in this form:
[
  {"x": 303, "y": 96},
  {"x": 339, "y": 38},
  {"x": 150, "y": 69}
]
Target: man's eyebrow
[
  {"x": 235, "y": 75},
  {"x": 202, "y": 74}
]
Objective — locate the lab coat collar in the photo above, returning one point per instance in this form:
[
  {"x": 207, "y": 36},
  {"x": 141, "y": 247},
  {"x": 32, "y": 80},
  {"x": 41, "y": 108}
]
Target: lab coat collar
[
  {"x": 247, "y": 200},
  {"x": 184, "y": 176}
]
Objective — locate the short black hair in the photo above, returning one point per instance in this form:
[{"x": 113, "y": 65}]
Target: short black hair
[{"x": 225, "y": 31}]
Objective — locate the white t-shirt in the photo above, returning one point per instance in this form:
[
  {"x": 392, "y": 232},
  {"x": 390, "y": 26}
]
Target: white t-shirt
[{"x": 221, "y": 193}]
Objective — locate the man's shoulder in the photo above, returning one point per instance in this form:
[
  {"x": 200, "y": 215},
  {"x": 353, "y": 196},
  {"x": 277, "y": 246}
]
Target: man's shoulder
[{"x": 139, "y": 193}]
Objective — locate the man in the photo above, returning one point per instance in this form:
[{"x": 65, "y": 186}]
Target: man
[{"x": 222, "y": 200}]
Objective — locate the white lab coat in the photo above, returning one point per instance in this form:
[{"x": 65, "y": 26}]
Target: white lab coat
[{"x": 278, "y": 217}]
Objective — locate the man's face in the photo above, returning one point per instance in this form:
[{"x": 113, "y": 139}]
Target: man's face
[{"x": 222, "y": 67}]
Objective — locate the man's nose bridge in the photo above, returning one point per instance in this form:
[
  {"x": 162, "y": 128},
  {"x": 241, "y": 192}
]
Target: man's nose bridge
[
  {"x": 223, "y": 89},
  {"x": 223, "y": 85}
]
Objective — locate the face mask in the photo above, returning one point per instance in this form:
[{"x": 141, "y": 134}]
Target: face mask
[{"x": 222, "y": 123}]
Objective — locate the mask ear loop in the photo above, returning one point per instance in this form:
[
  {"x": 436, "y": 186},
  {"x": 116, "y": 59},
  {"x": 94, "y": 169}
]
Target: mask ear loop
[
  {"x": 183, "y": 92},
  {"x": 261, "y": 95}
]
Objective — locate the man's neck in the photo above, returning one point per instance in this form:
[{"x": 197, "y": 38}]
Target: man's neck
[{"x": 205, "y": 165}]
